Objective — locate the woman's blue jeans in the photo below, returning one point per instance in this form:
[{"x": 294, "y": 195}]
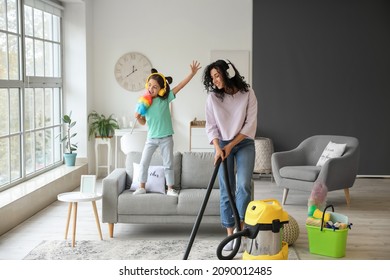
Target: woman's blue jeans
[{"x": 241, "y": 160}]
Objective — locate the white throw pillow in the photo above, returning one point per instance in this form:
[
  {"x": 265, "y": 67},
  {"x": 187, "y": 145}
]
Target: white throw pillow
[
  {"x": 156, "y": 179},
  {"x": 332, "y": 150}
]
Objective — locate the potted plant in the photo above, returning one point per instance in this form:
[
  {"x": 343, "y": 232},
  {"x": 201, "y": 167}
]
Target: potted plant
[
  {"x": 101, "y": 126},
  {"x": 69, "y": 155}
]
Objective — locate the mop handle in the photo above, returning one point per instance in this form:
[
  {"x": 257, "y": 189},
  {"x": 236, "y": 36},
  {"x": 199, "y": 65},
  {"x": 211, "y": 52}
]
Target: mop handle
[{"x": 132, "y": 128}]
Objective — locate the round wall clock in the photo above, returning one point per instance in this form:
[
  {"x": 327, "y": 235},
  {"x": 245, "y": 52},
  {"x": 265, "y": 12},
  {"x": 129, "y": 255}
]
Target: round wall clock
[{"x": 131, "y": 71}]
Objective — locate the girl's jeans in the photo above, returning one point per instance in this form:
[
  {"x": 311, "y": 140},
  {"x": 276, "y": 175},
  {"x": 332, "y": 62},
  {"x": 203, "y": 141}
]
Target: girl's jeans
[
  {"x": 243, "y": 156},
  {"x": 166, "y": 148}
]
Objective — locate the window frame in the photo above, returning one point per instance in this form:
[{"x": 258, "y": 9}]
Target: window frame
[{"x": 48, "y": 127}]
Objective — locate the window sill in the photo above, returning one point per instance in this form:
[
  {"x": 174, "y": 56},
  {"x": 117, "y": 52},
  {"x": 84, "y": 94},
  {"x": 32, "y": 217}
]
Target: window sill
[{"x": 24, "y": 200}]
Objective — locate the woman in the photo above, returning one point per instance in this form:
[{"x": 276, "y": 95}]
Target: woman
[{"x": 231, "y": 122}]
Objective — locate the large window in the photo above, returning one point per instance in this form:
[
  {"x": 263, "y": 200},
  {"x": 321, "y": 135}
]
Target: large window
[{"x": 30, "y": 89}]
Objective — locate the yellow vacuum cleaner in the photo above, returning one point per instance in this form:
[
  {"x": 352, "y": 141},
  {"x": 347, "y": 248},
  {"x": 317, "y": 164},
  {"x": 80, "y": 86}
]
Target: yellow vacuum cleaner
[
  {"x": 264, "y": 220},
  {"x": 263, "y": 229}
]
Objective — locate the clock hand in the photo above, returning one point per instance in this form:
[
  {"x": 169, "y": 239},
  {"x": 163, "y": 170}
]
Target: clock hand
[{"x": 131, "y": 72}]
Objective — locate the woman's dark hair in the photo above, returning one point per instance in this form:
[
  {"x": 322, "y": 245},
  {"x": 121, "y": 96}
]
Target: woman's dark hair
[
  {"x": 222, "y": 66},
  {"x": 157, "y": 77}
]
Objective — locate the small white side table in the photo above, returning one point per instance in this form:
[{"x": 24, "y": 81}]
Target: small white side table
[
  {"x": 73, "y": 198},
  {"x": 103, "y": 141}
]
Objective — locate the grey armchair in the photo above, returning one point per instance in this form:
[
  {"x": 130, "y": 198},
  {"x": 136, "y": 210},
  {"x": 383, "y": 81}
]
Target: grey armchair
[{"x": 296, "y": 169}]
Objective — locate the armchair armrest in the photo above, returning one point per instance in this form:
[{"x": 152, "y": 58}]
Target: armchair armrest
[
  {"x": 113, "y": 185},
  {"x": 287, "y": 158},
  {"x": 341, "y": 171}
]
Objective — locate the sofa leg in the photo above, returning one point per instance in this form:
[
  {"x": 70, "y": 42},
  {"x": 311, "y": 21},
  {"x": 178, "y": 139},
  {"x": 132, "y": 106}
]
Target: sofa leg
[
  {"x": 347, "y": 197},
  {"x": 111, "y": 230},
  {"x": 285, "y": 193}
]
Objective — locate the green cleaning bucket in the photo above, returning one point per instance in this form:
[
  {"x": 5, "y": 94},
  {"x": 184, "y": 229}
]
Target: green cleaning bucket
[{"x": 327, "y": 241}]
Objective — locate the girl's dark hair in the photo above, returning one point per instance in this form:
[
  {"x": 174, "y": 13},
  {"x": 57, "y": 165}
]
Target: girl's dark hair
[
  {"x": 160, "y": 82},
  {"x": 222, "y": 67}
]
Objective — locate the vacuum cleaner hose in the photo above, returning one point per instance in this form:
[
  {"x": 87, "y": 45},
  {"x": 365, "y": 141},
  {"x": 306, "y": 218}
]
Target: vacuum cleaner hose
[
  {"x": 202, "y": 209},
  {"x": 238, "y": 233}
]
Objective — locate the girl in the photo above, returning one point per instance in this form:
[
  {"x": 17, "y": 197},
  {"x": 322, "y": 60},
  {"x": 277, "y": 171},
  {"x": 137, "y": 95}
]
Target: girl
[
  {"x": 231, "y": 123},
  {"x": 160, "y": 130}
]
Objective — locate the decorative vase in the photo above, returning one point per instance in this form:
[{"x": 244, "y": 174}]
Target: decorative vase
[{"x": 70, "y": 159}]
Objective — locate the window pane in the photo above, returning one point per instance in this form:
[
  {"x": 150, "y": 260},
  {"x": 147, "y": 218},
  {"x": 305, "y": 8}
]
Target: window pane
[
  {"x": 38, "y": 23},
  {"x": 4, "y": 161},
  {"x": 29, "y": 152},
  {"x": 39, "y": 58},
  {"x": 48, "y": 26},
  {"x": 13, "y": 43},
  {"x": 56, "y": 29},
  {"x": 16, "y": 170},
  {"x": 48, "y": 59},
  {"x": 29, "y": 57},
  {"x": 56, "y": 61},
  {"x": 39, "y": 150},
  {"x": 57, "y": 145},
  {"x": 12, "y": 16},
  {"x": 49, "y": 138},
  {"x": 3, "y": 10},
  {"x": 3, "y": 56},
  {"x": 4, "y": 120},
  {"x": 48, "y": 107},
  {"x": 29, "y": 109},
  {"x": 39, "y": 108},
  {"x": 28, "y": 21},
  {"x": 14, "y": 111},
  {"x": 56, "y": 106}
]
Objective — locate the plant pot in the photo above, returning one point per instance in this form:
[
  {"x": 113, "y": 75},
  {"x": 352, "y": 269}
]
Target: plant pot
[{"x": 70, "y": 159}]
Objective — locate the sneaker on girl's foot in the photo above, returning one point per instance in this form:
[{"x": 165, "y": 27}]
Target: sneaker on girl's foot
[
  {"x": 172, "y": 192},
  {"x": 139, "y": 191}
]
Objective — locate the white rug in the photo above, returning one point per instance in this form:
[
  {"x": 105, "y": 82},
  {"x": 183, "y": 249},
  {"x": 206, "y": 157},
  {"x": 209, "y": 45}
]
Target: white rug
[{"x": 115, "y": 249}]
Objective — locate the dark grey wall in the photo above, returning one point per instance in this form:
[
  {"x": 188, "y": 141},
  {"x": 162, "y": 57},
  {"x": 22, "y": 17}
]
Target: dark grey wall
[{"x": 323, "y": 67}]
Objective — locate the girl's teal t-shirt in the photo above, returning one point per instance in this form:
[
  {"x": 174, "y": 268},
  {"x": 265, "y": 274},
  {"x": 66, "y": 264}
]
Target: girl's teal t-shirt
[{"x": 158, "y": 117}]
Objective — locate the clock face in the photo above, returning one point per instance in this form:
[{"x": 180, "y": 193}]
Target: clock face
[{"x": 131, "y": 71}]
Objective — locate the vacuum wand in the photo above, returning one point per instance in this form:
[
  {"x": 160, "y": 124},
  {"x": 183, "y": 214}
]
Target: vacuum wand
[{"x": 202, "y": 209}]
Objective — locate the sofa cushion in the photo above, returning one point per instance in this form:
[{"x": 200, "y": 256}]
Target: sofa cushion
[
  {"x": 303, "y": 173},
  {"x": 190, "y": 202},
  {"x": 156, "y": 160},
  {"x": 155, "y": 182},
  {"x": 197, "y": 169},
  {"x": 146, "y": 204}
]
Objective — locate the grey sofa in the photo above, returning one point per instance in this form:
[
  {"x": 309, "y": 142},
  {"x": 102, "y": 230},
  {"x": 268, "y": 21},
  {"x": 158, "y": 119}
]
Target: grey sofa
[
  {"x": 193, "y": 171},
  {"x": 296, "y": 169}
]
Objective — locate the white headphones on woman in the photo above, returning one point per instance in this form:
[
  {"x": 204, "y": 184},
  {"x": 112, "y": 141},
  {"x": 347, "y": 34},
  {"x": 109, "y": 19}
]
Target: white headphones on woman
[{"x": 230, "y": 71}]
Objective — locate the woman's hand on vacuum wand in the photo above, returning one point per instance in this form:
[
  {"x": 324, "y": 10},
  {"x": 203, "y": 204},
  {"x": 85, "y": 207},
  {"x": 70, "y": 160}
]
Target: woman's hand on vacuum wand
[
  {"x": 218, "y": 151},
  {"x": 227, "y": 149}
]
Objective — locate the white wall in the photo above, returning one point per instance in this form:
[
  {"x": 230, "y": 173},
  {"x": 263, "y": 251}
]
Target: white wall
[
  {"x": 75, "y": 71},
  {"x": 170, "y": 33}
]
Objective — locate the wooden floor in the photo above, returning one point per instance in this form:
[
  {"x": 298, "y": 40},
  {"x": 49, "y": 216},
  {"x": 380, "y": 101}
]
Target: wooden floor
[{"x": 369, "y": 238}]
